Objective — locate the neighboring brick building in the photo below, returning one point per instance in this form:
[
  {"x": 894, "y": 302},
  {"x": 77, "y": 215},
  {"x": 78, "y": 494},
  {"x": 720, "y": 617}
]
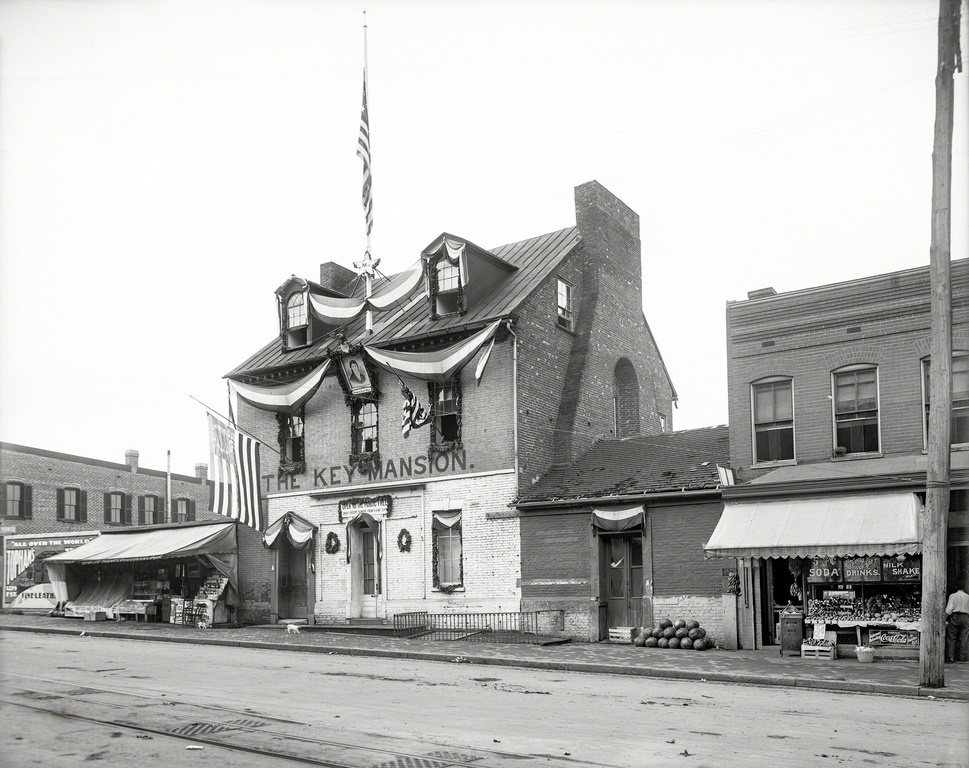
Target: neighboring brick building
[
  {"x": 525, "y": 355},
  {"x": 616, "y": 538},
  {"x": 52, "y": 502},
  {"x": 828, "y": 403}
]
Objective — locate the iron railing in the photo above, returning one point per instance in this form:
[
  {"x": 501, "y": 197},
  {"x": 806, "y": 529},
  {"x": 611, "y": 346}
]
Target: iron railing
[{"x": 518, "y": 627}]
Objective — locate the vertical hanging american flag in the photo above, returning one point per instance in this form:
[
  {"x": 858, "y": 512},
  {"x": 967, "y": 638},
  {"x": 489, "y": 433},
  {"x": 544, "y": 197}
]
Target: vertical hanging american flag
[
  {"x": 363, "y": 152},
  {"x": 415, "y": 415},
  {"x": 235, "y": 473}
]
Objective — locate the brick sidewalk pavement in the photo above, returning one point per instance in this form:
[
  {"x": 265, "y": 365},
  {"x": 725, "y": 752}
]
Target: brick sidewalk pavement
[{"x": 764, "y": 667}]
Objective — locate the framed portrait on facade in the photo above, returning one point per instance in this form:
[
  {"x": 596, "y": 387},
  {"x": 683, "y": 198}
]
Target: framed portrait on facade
[{"x": 355, "y": 375}]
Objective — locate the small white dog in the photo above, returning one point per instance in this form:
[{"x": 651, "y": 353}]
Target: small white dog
[
  {"x": 202, "y": 624},
  {"x": 292, "y": 629}
]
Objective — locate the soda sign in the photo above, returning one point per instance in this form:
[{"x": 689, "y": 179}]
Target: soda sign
[{"x": 826, "y": 570}]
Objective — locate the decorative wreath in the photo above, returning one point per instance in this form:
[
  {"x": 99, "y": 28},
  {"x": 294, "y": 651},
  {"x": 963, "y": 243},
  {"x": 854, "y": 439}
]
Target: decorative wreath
[
  {"x": 332, "y": 545},
  {"x": 403, "y": 540}
]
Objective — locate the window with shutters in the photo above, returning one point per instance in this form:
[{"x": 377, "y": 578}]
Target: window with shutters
[
  {"x": 72, "y": 505},
  {"x": 151, "y": 510},
  {"x": 183, "y": 510},
  {"x": 16, "y": 500},
  {"x": 117, "y": 508}
]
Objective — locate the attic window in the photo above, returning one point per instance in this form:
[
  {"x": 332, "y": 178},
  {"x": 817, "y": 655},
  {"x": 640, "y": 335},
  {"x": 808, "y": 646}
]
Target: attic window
[
  {"x": 448, "y": 294},
  {"x": 566, "y": 314},
  {"x": 295, "y": 332}
]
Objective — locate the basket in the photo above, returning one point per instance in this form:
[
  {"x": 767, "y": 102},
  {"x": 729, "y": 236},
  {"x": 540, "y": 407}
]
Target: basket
[
  {"x": 865, "y": 655},
  {"x": 818, "y": 652}
]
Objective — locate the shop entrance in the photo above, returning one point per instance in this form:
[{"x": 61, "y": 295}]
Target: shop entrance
[
  {"x": 780, "y": 585},
  {"x": 291, "y": 570},
  {"x": 621, "y": 558},
  {"x": 364, "y": 550}
]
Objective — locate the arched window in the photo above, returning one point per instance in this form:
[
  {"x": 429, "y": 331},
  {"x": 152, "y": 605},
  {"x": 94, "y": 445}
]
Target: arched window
[
  {"x": 626, "y": 399},
  {"x": 295, "y": 311}
]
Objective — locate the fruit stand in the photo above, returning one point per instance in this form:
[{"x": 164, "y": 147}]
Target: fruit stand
[{"x": 870, "y": 601}]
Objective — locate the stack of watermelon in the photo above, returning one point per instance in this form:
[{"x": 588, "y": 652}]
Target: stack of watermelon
[{"x": 682, "y": 633}]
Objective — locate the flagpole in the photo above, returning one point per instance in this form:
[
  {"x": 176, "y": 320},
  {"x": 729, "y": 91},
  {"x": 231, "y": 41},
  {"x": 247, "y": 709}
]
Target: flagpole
[{"x": 368, "y": 181}]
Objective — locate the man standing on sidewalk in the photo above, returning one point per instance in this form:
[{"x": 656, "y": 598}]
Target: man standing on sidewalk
[{"x": 957, "y": 626}]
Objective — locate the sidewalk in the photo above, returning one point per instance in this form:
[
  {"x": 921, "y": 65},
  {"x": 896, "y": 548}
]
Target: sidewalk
[{"x": 763, "y": 667}]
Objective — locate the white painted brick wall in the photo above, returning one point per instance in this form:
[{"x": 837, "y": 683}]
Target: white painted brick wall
[{"x": 491, "y": 548}]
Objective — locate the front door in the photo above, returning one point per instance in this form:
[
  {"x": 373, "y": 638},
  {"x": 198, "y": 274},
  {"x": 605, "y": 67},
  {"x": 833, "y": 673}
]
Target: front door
[
  {"x": 291, "y": 570},
  {"x": 623, "y": 566},
  {"x": 368, "y": 585},
  {"x": 364, "y": 541}
]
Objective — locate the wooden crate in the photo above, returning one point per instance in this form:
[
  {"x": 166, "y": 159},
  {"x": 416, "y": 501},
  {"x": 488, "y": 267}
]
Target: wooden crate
[
  {"x": 817, "y": 652},
  {"x": 622, "y": 634}
]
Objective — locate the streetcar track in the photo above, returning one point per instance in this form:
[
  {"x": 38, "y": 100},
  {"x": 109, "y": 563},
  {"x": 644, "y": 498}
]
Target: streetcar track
[{"x": 196, "y": 736}]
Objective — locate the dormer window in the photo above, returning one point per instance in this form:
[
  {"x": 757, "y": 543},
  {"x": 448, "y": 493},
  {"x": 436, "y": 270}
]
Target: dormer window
[
  {"x": 296, "y": 327},
  {"x": 448, "y": 298}
]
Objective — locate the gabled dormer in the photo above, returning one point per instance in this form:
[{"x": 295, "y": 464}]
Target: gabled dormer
[
  {"x": 298, "y": 325},
  {"x": 459, "y": 274}
]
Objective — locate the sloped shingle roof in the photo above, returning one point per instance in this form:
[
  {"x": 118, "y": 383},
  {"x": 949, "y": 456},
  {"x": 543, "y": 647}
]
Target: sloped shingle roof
[{"x": 670, "y": 462}]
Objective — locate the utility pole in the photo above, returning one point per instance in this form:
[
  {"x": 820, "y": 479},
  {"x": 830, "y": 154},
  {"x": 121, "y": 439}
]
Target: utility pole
[{"x": 935, "y": 522}]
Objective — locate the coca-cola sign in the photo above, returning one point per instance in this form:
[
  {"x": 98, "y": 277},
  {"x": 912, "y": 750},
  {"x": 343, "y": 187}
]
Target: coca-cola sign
[{"x": 906, "y": 637}]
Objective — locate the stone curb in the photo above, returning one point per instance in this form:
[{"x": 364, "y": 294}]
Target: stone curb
[{"x": 843, "y": 686}]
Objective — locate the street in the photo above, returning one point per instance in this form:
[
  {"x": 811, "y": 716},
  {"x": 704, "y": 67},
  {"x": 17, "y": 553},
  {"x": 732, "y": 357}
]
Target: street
[{"x": 69, "y": 700}]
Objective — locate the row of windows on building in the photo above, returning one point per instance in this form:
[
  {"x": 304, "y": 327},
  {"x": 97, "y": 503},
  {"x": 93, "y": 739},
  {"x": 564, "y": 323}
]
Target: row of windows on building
[
  {"x": 855, "y": 411},
  {"x": 72, "y": 506}
]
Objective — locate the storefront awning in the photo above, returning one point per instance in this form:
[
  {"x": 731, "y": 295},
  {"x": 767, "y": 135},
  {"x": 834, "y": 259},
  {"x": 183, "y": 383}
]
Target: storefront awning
[
  {"x": 618, "y": 518},
  {"x": 836, "y": 526},
  {"x": 155, "y": 544}
]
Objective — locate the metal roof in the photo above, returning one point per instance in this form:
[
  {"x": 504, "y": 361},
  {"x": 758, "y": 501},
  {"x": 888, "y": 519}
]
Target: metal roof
[{"x": 535, "y": 259}]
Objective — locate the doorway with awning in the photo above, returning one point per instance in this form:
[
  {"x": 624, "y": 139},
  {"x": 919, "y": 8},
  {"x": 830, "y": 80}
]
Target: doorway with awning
[
  {"x": 291, "y": 539},
  {"x": 620, "y": 534}
]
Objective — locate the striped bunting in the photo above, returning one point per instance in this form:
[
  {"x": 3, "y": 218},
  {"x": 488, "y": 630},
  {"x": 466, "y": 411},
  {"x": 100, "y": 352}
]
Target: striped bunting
[
  {"x": 282, "y": 398},
  {"x": 363, "y": 152},
  {"x": 439, "y": 365},
  {"x": 235, "y": 473}
]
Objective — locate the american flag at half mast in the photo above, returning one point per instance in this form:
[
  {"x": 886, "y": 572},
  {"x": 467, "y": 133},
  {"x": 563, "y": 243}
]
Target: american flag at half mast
[{"x": 363, "y": 152}]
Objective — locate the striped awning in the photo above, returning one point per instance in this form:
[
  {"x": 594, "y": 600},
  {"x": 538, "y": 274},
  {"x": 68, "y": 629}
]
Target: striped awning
[{"x": 825, "y": 526}]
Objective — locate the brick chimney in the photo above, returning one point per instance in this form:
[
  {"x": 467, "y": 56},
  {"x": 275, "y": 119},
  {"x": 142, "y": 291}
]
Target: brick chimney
[
  {"x": 337, "y": 278},
  {"x": 611, "y": 270},
  {"x": 131, "y": 459},
  {"x": 202, "y": 472}
]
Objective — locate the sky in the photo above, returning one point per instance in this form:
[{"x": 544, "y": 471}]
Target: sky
[{"x": 165, "y": 165}]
